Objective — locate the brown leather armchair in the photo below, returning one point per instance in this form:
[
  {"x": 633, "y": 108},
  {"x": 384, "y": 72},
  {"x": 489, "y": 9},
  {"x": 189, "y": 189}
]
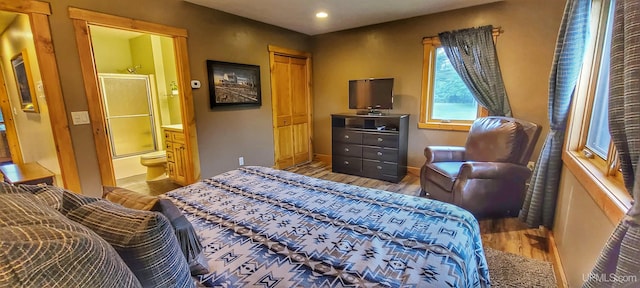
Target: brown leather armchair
[{"x": 488, "y": 175}]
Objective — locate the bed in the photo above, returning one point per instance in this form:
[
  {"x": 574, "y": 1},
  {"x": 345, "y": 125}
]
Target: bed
[{"x": 273, "y": 228}]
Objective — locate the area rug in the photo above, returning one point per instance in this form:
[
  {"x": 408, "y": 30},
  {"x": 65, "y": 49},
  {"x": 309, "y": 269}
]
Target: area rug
[{"x": 511, "y": 270}]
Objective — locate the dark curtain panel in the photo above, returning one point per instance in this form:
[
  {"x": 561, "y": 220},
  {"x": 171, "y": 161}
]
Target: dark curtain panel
[
  {"x": 540, "y": 202},
  {"x": 472, "y": 54},
  {"x": 621, "y": 255},
  {"x": 619, "y": 262},
  {"x": 624, "y": 87}
]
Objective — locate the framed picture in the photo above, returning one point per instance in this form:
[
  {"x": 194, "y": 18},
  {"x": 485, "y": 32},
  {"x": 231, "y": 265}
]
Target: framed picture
[
  {"x": 232, "y": 84},
  {"x": 26, "y": 92}
]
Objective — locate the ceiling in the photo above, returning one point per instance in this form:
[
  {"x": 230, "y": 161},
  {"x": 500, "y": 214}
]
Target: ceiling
[{"x": 299, "y": 15}]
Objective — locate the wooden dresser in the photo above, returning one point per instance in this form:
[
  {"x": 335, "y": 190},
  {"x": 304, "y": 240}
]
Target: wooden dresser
[
  {"x": 373, "y": 146},
  {"x": 176, "y": 155}
]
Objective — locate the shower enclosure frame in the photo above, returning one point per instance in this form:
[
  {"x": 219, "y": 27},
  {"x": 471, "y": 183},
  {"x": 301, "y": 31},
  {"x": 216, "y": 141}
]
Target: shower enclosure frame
[{"x": 108, "y": 117}]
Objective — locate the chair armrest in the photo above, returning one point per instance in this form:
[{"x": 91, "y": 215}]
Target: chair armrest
[
  {"x": 444, "y": 154},
  {"x": 493, "y": 170}
]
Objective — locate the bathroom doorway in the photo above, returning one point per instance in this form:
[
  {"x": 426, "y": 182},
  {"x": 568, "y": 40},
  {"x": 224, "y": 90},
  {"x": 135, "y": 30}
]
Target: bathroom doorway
[{"x": 136, "y": 77}]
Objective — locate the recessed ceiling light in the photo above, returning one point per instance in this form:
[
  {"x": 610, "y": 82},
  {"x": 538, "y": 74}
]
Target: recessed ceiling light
[{"x": 322, "y": 14}]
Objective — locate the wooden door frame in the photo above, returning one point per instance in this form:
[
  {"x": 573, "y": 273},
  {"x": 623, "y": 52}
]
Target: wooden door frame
[
  {"x": 38, "y": 13},
  {"x": 81, "y": 20},
  {"x": 273, "y": 51}
]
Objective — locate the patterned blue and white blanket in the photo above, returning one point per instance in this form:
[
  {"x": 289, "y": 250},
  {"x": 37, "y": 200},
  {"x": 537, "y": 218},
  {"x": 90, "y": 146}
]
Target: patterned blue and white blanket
[{"x": 271, "y": 228}]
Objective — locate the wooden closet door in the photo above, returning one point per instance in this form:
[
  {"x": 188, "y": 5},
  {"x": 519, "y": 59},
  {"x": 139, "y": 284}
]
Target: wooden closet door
[
  {"x": 290, "y": 96},
  {"x": 300, "y": 110},
  {"x": 283, "y": 130}
]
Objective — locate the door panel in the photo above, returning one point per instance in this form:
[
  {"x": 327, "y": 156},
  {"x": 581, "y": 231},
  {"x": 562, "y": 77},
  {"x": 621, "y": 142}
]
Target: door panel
[
  {"x": 301, "y": 143},
  {"x": 283, "y": 92},
  {"x": 284, "y": 137},
  {"x": 299, "y": 87},
  {"x": 180, "y": 165},
  {"x": 290, "y": 96}
]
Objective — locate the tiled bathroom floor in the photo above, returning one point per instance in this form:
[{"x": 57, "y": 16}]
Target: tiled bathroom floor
[{"x": 138, "y": 184}]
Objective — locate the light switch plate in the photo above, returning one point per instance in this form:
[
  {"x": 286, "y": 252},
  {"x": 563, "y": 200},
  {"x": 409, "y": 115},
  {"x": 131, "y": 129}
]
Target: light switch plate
[{"x": 80, "y": 117}]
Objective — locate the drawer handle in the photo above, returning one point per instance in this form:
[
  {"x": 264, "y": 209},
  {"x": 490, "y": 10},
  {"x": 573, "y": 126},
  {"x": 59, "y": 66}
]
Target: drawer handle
[
  {"x": 346, "y": 162},
  {"x": 379, "y": 153},
  {"x": 346, "y": 136},
  {"x": 379, "y": 167},
  {"x": 346, "y": 149},
  {"x": 380, "y": 139},
  {"x": 167, "y": 146}
]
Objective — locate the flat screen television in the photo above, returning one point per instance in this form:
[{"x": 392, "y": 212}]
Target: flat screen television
[{"x": 371, "y": 94}]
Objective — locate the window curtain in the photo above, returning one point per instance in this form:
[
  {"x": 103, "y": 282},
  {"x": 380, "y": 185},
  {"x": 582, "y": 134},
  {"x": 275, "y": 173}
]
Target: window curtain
[
  {"x": 472, "y": 54},
  {"x": 540, "y": 201},
  {"x": 621, "y": 254}
]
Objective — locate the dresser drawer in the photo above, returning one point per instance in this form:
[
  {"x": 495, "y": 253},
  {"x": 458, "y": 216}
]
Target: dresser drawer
[
  {"x": 380, "y": 153},
  {"x": 372, "y": 167},
  {"x": 174, "y": 136},
  {"x": 347, "y": 136},
  {"x": 347, "y": 164},
  {"x": 386, "y": 140},
  {"x": 177, "y": 137},
  {"x": 347, "y": 149}
]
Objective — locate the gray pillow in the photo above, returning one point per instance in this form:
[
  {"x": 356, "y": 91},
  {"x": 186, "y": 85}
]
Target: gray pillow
[
  {"x": 59, "y": 198},
  {"x": 145, "y": 240},
  {"x": 42, "y": 248}
]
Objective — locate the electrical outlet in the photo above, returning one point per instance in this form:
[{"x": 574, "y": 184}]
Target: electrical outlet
[{"x": 241, "y": 161}]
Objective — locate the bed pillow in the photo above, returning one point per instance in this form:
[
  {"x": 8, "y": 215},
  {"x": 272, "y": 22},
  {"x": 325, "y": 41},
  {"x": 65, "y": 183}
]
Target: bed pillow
[
  {"x": 187, "y": 237},
  {"x": 59, "y": 198},
  {"x": 145, "y": 240},
  {"x": 42, "y": 248},
  {"x": 6, "y": 188},
  {"x": 128, "y": 198}
]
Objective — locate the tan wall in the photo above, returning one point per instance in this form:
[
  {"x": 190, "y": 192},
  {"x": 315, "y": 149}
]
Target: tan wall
[
  {"x": 580, "y": 229},
  {"x": 34, "y": 129},
  {"x": 525, "y": 51},
  {"x": 223, "y": 135}
]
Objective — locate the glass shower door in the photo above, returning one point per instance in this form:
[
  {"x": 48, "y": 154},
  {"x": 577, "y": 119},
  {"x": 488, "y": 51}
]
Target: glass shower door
[{"x": 129, "y": 114}]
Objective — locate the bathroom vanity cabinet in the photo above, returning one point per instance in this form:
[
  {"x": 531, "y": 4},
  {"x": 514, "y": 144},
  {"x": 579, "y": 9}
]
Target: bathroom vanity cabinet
[{"x": 176, "y": 155}]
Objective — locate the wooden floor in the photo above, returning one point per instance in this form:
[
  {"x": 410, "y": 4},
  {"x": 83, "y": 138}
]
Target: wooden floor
[
  {"x": 508, "y": 234},
  {"x": 138, "y": 183}
]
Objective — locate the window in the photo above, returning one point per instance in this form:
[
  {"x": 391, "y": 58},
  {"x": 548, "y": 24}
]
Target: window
[
  {"x": 590, "y": 154},
  {"x": 595, "y": 141},
  {"x": 598, "y": 140},
  {"x": 446, "y": 102},
  {"x": 452, "y": 100}
]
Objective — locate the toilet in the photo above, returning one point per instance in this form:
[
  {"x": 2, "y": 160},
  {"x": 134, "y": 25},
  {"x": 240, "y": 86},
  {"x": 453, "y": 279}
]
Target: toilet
[{"x": 156, "y": 163}]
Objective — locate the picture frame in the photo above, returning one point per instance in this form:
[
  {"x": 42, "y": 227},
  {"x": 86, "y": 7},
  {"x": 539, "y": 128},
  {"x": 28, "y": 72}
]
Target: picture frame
[
  {"x": 233, "y": 84},
  {"x": 24, "y": 82}
]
